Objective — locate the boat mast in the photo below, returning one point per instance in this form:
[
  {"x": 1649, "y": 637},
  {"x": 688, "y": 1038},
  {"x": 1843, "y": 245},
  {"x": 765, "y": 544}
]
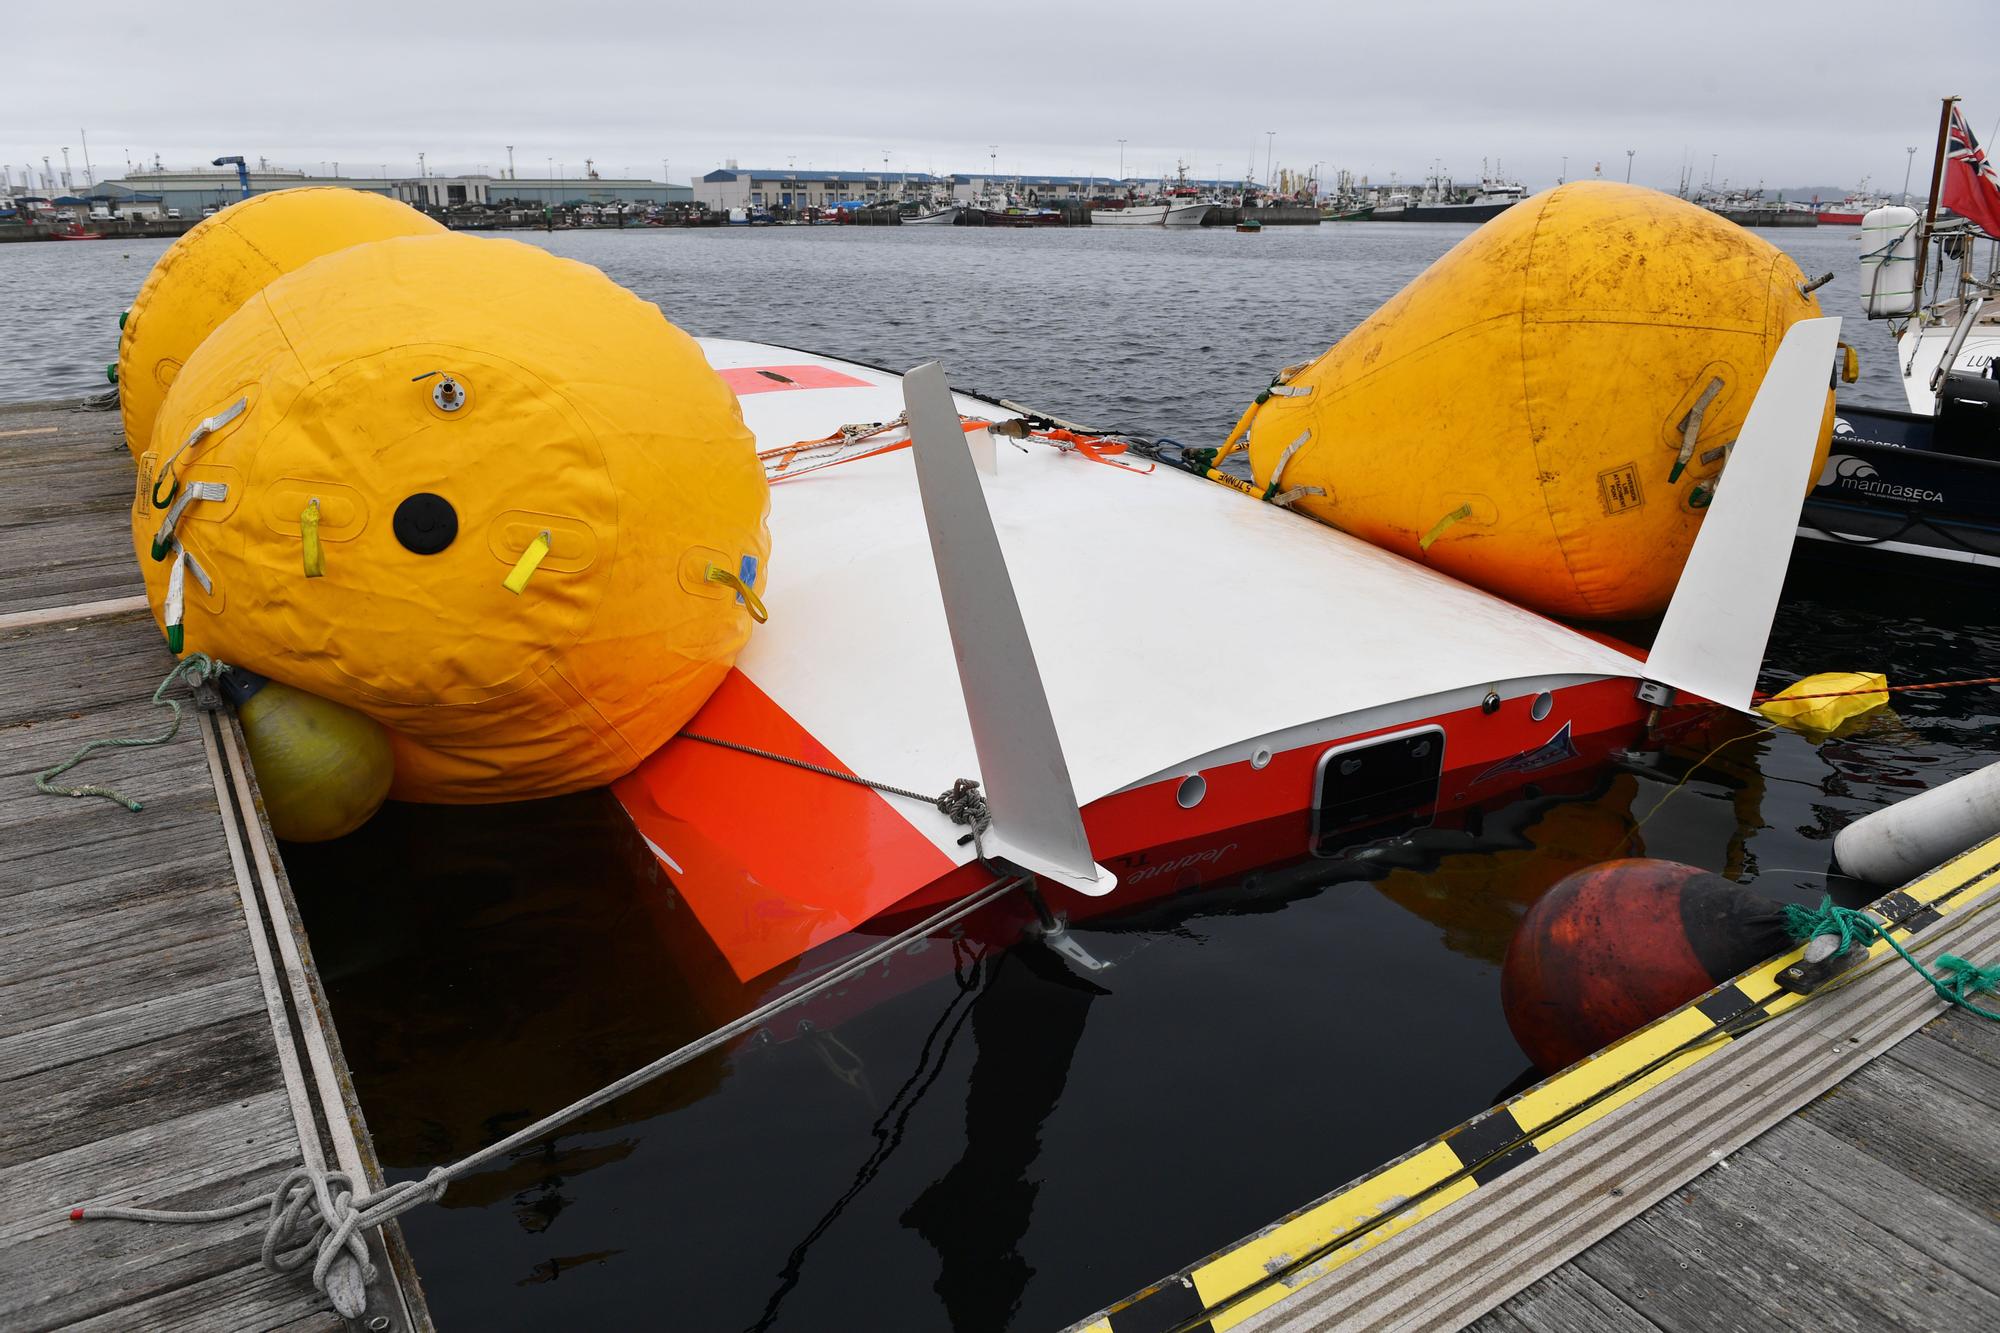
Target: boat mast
[{"x": 1937, "y": 183}]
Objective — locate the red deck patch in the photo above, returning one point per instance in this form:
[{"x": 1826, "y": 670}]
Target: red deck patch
[{"x": 773, "y": 379}]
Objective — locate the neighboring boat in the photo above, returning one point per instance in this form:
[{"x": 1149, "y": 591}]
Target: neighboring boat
[
  {"x": 74, "y": 232},
  {"x": 1349, "y": 213},
  {"x": 1188, "y": 212},
  {"x": 1250, "y": 224},
  {"x": 925, "y": 627},
  {"x": 1912, "y": 489},
  {"x": 1950, "y": 337},
  {"x": 1129, "y": 215},
  {"x": 936, "y": 217}
]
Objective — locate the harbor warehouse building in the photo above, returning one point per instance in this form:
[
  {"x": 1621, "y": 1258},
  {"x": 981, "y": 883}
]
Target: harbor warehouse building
[
  {"x": 732, "y": 187},
  {"x": 192, "y": 191}
]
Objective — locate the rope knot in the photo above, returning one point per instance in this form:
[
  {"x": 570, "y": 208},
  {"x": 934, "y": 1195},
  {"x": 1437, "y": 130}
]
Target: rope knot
[{"x": 964, "y": 804}]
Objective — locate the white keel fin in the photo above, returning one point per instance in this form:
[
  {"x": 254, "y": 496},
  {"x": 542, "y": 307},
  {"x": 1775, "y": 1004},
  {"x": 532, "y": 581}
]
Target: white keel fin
[
  {"x": 1036, "y": 823},
  {"x": 1711, "y": 642}
]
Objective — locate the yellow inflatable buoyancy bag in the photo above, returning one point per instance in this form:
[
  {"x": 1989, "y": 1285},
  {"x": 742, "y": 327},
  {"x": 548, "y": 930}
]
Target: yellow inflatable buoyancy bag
[
  {"x": 1545, "y": 410},
  {"x": 221, "y": 263},
  {"x": 481, "y": 494}
]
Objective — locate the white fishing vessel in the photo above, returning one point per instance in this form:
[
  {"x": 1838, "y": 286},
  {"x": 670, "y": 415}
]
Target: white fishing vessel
[{"x": 1131, "y": 215}]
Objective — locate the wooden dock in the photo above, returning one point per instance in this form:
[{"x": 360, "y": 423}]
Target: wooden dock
[
  {"x": 164, "y": 1041},
  {"x": 1756, "y": 1160}
]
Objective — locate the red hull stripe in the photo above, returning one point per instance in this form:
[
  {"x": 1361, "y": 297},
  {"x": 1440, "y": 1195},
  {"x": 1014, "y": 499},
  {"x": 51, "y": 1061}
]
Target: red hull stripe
[
  {"x": 775, "y": 379},
  {"x": 772, "y": 858},
  {"x": 775, "y": 859}
]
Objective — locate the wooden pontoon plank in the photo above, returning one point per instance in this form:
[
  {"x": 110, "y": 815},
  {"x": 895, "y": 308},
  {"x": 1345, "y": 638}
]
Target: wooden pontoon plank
[{"x": 139, "y": 1062}]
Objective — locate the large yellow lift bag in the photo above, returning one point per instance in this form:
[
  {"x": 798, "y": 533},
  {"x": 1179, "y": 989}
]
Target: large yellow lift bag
[
  {"x": 224, "y": 261},
  {"x": 480, "y": 493},
  {"x": 1545, "y": 410}
]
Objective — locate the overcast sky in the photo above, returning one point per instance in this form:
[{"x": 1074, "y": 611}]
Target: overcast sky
[{"x": 1787, "y": 92}]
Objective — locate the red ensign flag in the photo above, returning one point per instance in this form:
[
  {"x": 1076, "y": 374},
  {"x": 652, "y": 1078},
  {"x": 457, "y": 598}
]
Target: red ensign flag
[{"x": 1971, "y": 190}]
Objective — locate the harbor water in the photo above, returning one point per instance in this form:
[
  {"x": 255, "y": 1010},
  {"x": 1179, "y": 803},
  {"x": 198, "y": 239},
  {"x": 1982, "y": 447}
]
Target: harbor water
[{"x": 985, "y": 1138}]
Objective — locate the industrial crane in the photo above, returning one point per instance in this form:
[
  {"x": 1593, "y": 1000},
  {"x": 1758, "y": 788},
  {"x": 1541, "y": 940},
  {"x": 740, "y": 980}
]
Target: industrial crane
[{"x": 242, "y": 171}]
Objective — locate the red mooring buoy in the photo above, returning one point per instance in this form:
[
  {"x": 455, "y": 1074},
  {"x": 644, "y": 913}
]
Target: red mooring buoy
[{"x": 1611, "y": 948}]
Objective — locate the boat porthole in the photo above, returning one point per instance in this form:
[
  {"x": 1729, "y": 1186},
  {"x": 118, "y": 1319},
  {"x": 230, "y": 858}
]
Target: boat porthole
[
  {"x": 1539, "y": 709},
  {"x": 1260, "y": 759},
  {"x": 1193, "y": 787}
]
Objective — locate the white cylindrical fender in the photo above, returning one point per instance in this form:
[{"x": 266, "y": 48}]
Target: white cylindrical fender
[
  {"x": 1889, "y": 262},
  {"x": 1891, "y": 847}
]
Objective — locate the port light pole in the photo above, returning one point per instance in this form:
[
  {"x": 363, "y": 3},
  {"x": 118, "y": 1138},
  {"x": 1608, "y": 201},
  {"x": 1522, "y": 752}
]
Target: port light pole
[
  {"x": 1121, "y": 159},
  {"x": 1628, "y": 164},
  {"x": 1270, "y": 138},
  {"x": 1909, "y": 161}
]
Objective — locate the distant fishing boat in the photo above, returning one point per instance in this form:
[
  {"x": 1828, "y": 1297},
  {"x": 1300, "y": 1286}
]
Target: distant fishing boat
[
  {"x": 1115, "y": 214},
  {"x": 75, "y": 232},
  {"x": 1250, "y": 224},
  {"x": 1850, "y": 210},
  {"x": 936, "y": 217},
  {"x": 1493, "y": 197},
  {"x": 1188, "y": 212}
]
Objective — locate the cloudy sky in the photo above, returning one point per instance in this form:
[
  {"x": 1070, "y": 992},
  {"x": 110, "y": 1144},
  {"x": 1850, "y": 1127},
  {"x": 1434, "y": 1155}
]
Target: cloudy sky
[{"x": 1787, "y": 92}]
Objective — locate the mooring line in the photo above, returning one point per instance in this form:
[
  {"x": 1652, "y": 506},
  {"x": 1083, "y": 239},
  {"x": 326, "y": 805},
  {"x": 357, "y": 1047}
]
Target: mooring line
[{"x": 317, "y": 1216}]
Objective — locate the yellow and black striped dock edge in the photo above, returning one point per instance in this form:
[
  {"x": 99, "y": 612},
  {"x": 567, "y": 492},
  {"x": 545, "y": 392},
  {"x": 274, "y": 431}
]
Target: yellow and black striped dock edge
[{"x": 1311, "y": 1244}]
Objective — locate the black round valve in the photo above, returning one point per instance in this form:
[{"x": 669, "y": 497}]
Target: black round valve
[{"x": 425, "y": 523}]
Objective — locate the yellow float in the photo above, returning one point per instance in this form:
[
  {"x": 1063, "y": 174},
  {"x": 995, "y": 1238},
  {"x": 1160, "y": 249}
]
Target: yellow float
[
  {"x": 1545, "y": 410},
  {"x": 481, "y": 494},
  {"x": 225, "y": 260}
]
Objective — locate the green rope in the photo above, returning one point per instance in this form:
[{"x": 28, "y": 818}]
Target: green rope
[
  {"x": 1961, "y": 979},
  {"x": 195, "y": 668}
]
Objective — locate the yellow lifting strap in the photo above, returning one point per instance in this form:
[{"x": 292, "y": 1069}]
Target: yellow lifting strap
[
  {"x": 1235, "y": 440},
  {"x": 1850, "y": 364},
  {"x": 315, "y": 558},
  {"x": 524, "y": 568},
  {"x": 717, "y": 574},
  {"x": 1438, "y": 528}
]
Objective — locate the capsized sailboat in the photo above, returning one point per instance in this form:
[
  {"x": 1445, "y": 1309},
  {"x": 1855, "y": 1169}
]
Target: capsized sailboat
[{"x": 1124, "y": 657}]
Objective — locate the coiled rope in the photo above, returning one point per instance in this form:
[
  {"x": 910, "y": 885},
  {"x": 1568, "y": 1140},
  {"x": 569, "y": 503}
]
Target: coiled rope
[
  {"x": 315, "y": 1214},
  {"x": 197, "y": 669},
  {"x": 1959, "y": 980}
]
